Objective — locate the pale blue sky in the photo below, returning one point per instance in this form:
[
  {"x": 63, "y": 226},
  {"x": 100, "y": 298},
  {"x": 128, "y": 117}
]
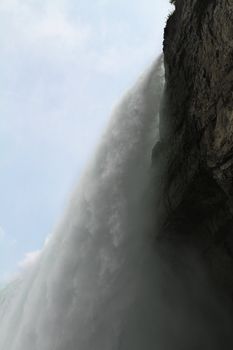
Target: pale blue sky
[{"x": 64, "y": 64}]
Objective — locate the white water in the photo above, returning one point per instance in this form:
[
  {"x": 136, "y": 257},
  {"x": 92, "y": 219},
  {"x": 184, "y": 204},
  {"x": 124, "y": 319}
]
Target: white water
[
  {"x": 93, "y": 287},
  {"x": 99, "y": 283}
]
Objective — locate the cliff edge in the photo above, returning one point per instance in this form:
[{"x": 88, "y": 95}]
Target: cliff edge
[{"x": 196, "y": 127}]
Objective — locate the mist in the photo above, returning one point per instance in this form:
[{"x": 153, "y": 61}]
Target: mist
[
  {"x": 88, "y": 287},
  {"x": 103, "y": 281}
]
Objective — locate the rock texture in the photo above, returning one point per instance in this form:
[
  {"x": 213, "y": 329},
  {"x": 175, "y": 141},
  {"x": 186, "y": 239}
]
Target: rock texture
[{"x": 196, "y": 147}]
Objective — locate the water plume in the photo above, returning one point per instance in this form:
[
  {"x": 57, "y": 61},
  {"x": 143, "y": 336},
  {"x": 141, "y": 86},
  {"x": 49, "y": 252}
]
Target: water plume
[
  {"x": 93, "y": 286},
  {"x": 102, "y": 282}
]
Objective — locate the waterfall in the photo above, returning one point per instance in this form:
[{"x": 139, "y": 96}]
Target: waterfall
[
  {"x": 101, "y": 283},
  {"x": 93, "y": 285}
]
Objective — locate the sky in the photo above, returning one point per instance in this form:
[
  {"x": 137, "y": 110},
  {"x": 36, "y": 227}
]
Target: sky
[{"x": 64, "y": 65}]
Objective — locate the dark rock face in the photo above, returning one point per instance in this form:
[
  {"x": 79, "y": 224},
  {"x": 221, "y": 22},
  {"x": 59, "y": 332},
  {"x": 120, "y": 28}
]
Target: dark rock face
[{"x": 196, "y": 128}]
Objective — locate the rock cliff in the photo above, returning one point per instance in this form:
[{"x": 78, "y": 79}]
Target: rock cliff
[{"x": 196, "y": 126}]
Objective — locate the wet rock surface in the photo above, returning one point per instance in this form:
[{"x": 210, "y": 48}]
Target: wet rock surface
[{"x": 196, "y": 146}]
